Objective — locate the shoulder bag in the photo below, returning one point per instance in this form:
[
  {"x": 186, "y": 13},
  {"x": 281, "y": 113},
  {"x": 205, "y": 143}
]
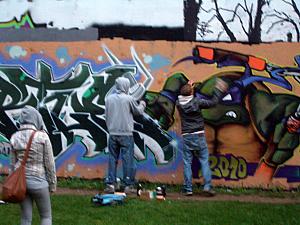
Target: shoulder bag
[{"x": 14, "y": 186}]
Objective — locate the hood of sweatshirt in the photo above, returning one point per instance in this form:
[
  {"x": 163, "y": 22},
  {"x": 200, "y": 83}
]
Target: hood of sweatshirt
[
  {"x": 122, "y": 85},
  {"x": 183, "y": 100},
  {"x": 30, "y": 115}
]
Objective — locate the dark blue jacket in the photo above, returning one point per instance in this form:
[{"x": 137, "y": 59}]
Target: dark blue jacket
[{"x": 189, "y": 108}]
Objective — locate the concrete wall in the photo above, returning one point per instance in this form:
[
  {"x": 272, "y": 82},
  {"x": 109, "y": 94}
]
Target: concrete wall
[
  {"x": 63, "y": 57},
  {"x": 246, "y": 131}
]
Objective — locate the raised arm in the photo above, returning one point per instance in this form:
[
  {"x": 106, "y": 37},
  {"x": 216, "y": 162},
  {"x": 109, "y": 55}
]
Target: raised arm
[{"x": 220, "y": 87}]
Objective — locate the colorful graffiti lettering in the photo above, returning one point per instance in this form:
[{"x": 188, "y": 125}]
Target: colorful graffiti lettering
[
  {"x": 25, "y": 22},
  {"x": 73, "y": 105},
  {"x": 228, "y": 167}
]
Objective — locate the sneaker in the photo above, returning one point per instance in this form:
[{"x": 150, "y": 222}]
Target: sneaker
[
  {"x": 187, "y": 193},
  {"x": 109, "y": 189},
  {"x": 130, "y": 190},
  {"x": 209, "y": 193}
]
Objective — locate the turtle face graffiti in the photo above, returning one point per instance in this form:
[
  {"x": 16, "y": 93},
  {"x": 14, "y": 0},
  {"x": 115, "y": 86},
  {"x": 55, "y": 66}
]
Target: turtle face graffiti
[
  {"x": 228, "y": 125},
  {"x": 249, "y": 121}
]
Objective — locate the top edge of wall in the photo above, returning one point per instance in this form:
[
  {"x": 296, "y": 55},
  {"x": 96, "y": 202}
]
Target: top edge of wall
[{"x": 89, "y": 34}]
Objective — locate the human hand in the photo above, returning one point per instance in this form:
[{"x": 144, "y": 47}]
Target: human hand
[
  {"x": 221, "y": 85},
  {"x": 191, "y": 82},
  {"x": 52, "y": 190},
  {"x": 143, "y": 103},
  {"x": 293, "y": 124}
]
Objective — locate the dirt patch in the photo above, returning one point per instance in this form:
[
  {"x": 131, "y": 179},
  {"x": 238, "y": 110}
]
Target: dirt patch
[
  {"x": 197, "y": 197},
  {"x": 194, "y": 197}
]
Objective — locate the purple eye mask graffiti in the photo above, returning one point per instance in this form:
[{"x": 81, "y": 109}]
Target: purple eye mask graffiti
[
  {"x": 224, "y": 58},
  {"x": 234, "y": 93}
]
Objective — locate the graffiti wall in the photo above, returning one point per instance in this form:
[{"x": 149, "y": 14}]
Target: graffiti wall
[{"x": 251, "y": 138}]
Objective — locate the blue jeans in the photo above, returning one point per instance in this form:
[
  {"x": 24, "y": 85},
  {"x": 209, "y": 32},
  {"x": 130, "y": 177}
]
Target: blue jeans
[
  {"x": 125, "y": 145},
  {"x": 195, "y": 144}
]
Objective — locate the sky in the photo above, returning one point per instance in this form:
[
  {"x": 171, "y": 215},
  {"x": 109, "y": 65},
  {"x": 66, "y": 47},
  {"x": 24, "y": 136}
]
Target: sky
[
  {"x": 67, "y": 14},
  {"x": 278, "y": 33}
]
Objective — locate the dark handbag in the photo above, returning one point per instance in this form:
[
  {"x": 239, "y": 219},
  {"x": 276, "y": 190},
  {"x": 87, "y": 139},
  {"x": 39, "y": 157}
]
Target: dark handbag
[{"x": 14, "y": 186}]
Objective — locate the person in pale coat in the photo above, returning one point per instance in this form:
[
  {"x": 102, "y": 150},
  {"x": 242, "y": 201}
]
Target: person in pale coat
[{"x": 40, "y": 166}]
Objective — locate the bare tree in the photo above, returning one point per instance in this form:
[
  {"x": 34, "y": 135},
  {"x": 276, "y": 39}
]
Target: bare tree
[
  {"x": 283, "y": 17},
  {"x": 251, "y": 27},
  {"x": 191, "y": 10}
]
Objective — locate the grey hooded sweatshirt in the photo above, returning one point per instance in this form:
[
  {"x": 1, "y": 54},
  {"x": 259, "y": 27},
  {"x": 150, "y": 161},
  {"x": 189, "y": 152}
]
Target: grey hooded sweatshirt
[{"x": 120, "y": 109}]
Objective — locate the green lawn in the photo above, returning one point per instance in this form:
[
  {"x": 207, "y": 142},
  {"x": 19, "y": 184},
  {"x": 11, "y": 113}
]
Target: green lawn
[{"x": 73, "y": 210}]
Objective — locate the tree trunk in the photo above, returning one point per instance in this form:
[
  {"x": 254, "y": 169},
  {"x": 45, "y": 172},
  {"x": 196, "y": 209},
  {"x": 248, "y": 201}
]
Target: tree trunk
[
  {"x": 191, "y": 10},
  {"x": 255, "y": 32}
]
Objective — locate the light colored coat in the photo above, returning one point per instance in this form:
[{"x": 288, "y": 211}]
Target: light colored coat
[{"x": 40, "y": 162}]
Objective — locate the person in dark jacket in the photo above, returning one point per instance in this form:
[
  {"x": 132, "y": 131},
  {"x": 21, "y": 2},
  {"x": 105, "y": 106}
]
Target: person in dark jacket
[{"x": 192, "y": 130}]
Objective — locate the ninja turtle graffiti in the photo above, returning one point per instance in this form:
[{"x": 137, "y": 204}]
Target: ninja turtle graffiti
[{"x": 249, "y": 125}]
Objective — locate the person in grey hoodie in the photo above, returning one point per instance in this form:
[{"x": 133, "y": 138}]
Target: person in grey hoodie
[
  {"x": 120, "y": 108},
  {"x": 40, "y": 166},
  {"x": 192, "y": 130}
]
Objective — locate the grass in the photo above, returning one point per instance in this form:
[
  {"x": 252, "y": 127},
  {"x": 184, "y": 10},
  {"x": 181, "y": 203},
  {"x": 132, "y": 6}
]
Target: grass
[{"x": 73, "y": 210}]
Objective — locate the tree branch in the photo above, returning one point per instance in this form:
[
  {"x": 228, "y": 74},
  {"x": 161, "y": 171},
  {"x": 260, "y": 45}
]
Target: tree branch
[
  {"x": 294, "y": 5},
  {"x": 296, "y": 8},
  {"x": 220, "y": 18},
  {"x": 284, "y": 18}
]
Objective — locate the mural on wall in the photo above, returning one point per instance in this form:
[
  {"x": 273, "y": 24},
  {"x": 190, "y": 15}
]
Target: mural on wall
[
  {"x": 248, "y": 109},
  {"x": 72, "y": 105},
  {"x": 250, "y": 133}
]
